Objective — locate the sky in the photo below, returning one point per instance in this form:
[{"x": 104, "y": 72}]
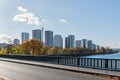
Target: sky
[{"x": 96, "y": 20}]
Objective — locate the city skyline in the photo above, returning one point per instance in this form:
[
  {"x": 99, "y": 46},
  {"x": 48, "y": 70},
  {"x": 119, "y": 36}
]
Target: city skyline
[
  {"x": 56, "y": 40},
  {"x": 92, "y": 20}
]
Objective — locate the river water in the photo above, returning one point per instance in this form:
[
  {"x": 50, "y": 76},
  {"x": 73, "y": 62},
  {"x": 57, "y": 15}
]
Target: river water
[{"x": 105, "y": 56}]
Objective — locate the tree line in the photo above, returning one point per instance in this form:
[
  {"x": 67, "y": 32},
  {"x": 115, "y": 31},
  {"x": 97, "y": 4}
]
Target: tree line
[{"x": 36, "y": 47}]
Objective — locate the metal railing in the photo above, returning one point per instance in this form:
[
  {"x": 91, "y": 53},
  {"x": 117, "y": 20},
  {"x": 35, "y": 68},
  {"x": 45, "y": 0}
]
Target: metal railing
[{"x": 107, "y": 64}]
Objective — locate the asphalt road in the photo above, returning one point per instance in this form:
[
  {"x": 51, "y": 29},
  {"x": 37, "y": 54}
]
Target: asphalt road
[{"x": 15, "y": 71}]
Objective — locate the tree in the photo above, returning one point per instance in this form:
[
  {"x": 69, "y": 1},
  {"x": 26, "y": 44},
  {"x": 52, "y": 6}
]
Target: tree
[
  {"x": 33, "y": 46},
  {"x": 25, "y": 47},
  {"x": 4, "y": 51},
  {"x": 103, "y": 49},
  {"x": 45, "y": 50},
  {"x": 19, "y": 49}
]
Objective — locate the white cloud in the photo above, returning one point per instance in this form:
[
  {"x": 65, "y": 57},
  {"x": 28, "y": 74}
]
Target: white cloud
[
  {"x": 29, "y": 18},
  {"x": 5, "y": 38},
  {"x": 62, "y": 20},
  {"x": 26, "y": 17},
  {"x": 20, "y": 8}
]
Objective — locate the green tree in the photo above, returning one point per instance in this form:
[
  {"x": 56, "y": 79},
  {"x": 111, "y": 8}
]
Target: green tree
[{"x": 4, "y": 51}]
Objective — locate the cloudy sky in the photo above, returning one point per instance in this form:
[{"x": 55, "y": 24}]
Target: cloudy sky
[{"x": 97, "y": 20}]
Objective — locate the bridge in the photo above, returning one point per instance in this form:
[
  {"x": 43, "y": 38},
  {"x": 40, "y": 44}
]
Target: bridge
[{"x": 18, "y": 67}]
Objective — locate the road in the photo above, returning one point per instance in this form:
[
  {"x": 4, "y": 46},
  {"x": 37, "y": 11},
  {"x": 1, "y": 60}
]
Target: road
[{"x": 16, "y": 71}]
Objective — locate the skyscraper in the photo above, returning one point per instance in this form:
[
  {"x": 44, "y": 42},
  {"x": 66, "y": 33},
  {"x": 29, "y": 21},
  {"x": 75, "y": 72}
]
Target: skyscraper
[
  {"x": 36, "y": 34},
  {"x": 16, "y": 41},
  {"x": 84, "y": 43},
  {"x": 93, "y": 46},
  {"x": 70, "y": 41},
  {"x": 89, "y": 44},
  {"x": 78, "y": 43},
  {"x": 66, "y": 42},
  {"x": 58, "y": 41},
  {"x": 25, "y": 36},
  {"x": 49, "y": 38},
  {"x": 42, "y": 34},
  {"x": 98, "y": 47}
]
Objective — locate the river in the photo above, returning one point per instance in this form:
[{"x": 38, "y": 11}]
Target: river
[{"x": 105, "y": 56}]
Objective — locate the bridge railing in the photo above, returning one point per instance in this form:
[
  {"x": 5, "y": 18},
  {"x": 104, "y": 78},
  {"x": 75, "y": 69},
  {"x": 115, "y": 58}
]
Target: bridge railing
[
  {"x": 110, "y": 64},
  {"x": 107, "y": 64}
]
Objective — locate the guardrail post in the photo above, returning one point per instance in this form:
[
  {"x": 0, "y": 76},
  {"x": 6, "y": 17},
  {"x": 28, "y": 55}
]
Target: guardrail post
[
  {"x": 58, "y": 60},
  {"x": 78, "y": 61},
  {"x": 115, "y": 64}
]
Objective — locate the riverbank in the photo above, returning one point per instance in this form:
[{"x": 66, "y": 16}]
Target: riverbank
[{"x": 82, "y": 54}]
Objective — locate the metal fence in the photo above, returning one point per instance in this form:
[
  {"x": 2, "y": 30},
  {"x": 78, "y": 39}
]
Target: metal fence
[{"x": 108, "y": 64}]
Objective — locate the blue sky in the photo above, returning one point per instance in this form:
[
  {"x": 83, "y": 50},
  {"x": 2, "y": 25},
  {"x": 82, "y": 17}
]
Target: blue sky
[{"x": 97, "y": 20}]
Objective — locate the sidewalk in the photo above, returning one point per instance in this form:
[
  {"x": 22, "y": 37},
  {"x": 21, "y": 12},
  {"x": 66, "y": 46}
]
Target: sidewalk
[{"x": 64, "y": 67}]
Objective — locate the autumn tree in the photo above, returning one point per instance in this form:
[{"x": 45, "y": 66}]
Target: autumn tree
[
  {"x": 25, "y": 47},
  {"x": 16, "y": 49},
  {"x": 33, "y": 46},
  {"x": 4, "y": 51},
  {"x": 45, "y": 50}
]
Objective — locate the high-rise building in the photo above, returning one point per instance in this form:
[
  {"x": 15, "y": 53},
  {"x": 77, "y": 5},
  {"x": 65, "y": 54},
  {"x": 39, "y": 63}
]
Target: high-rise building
[
  {"x": 70, "y": 41},
  {"x": 89, "y": 44},
  {"x": 66, "y": 42},
  {"x": 98, "y": 47},
  {"x": 93, "y": 46},
  {"x": 58, "y": 41},
  {"x": 84, "y": 43},
  {"x": 49, "y": 38},
  {"x": 42, "y": 34},
  {"x": 78, "y": 43},
  {"x": 16, "y": 41},
  {"x": 36, "y": 34},
  {"x": 25, "y": 36}
]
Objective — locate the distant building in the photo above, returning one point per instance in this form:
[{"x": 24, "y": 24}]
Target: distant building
[
  {"x": 98, "y": 47},
  {"x": 66, "y": 42},
  {"x": 36, "y": 34},
  {"x": 89, "y": 44},
  {"x": 78, "y": 43},
  {"x": 25, "y": 36},
  {"x": 3, "y": 45},
  {"x": 58, "y": 41},
  {"x": 70, "y": 41},
  {"x": 93, "y": 46},
  {"x": 42, "y": 31},
  {"x": 16, "y": 41},
  {"x": 84, "y": 43},
  {"x": 49, "y": 38}
]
